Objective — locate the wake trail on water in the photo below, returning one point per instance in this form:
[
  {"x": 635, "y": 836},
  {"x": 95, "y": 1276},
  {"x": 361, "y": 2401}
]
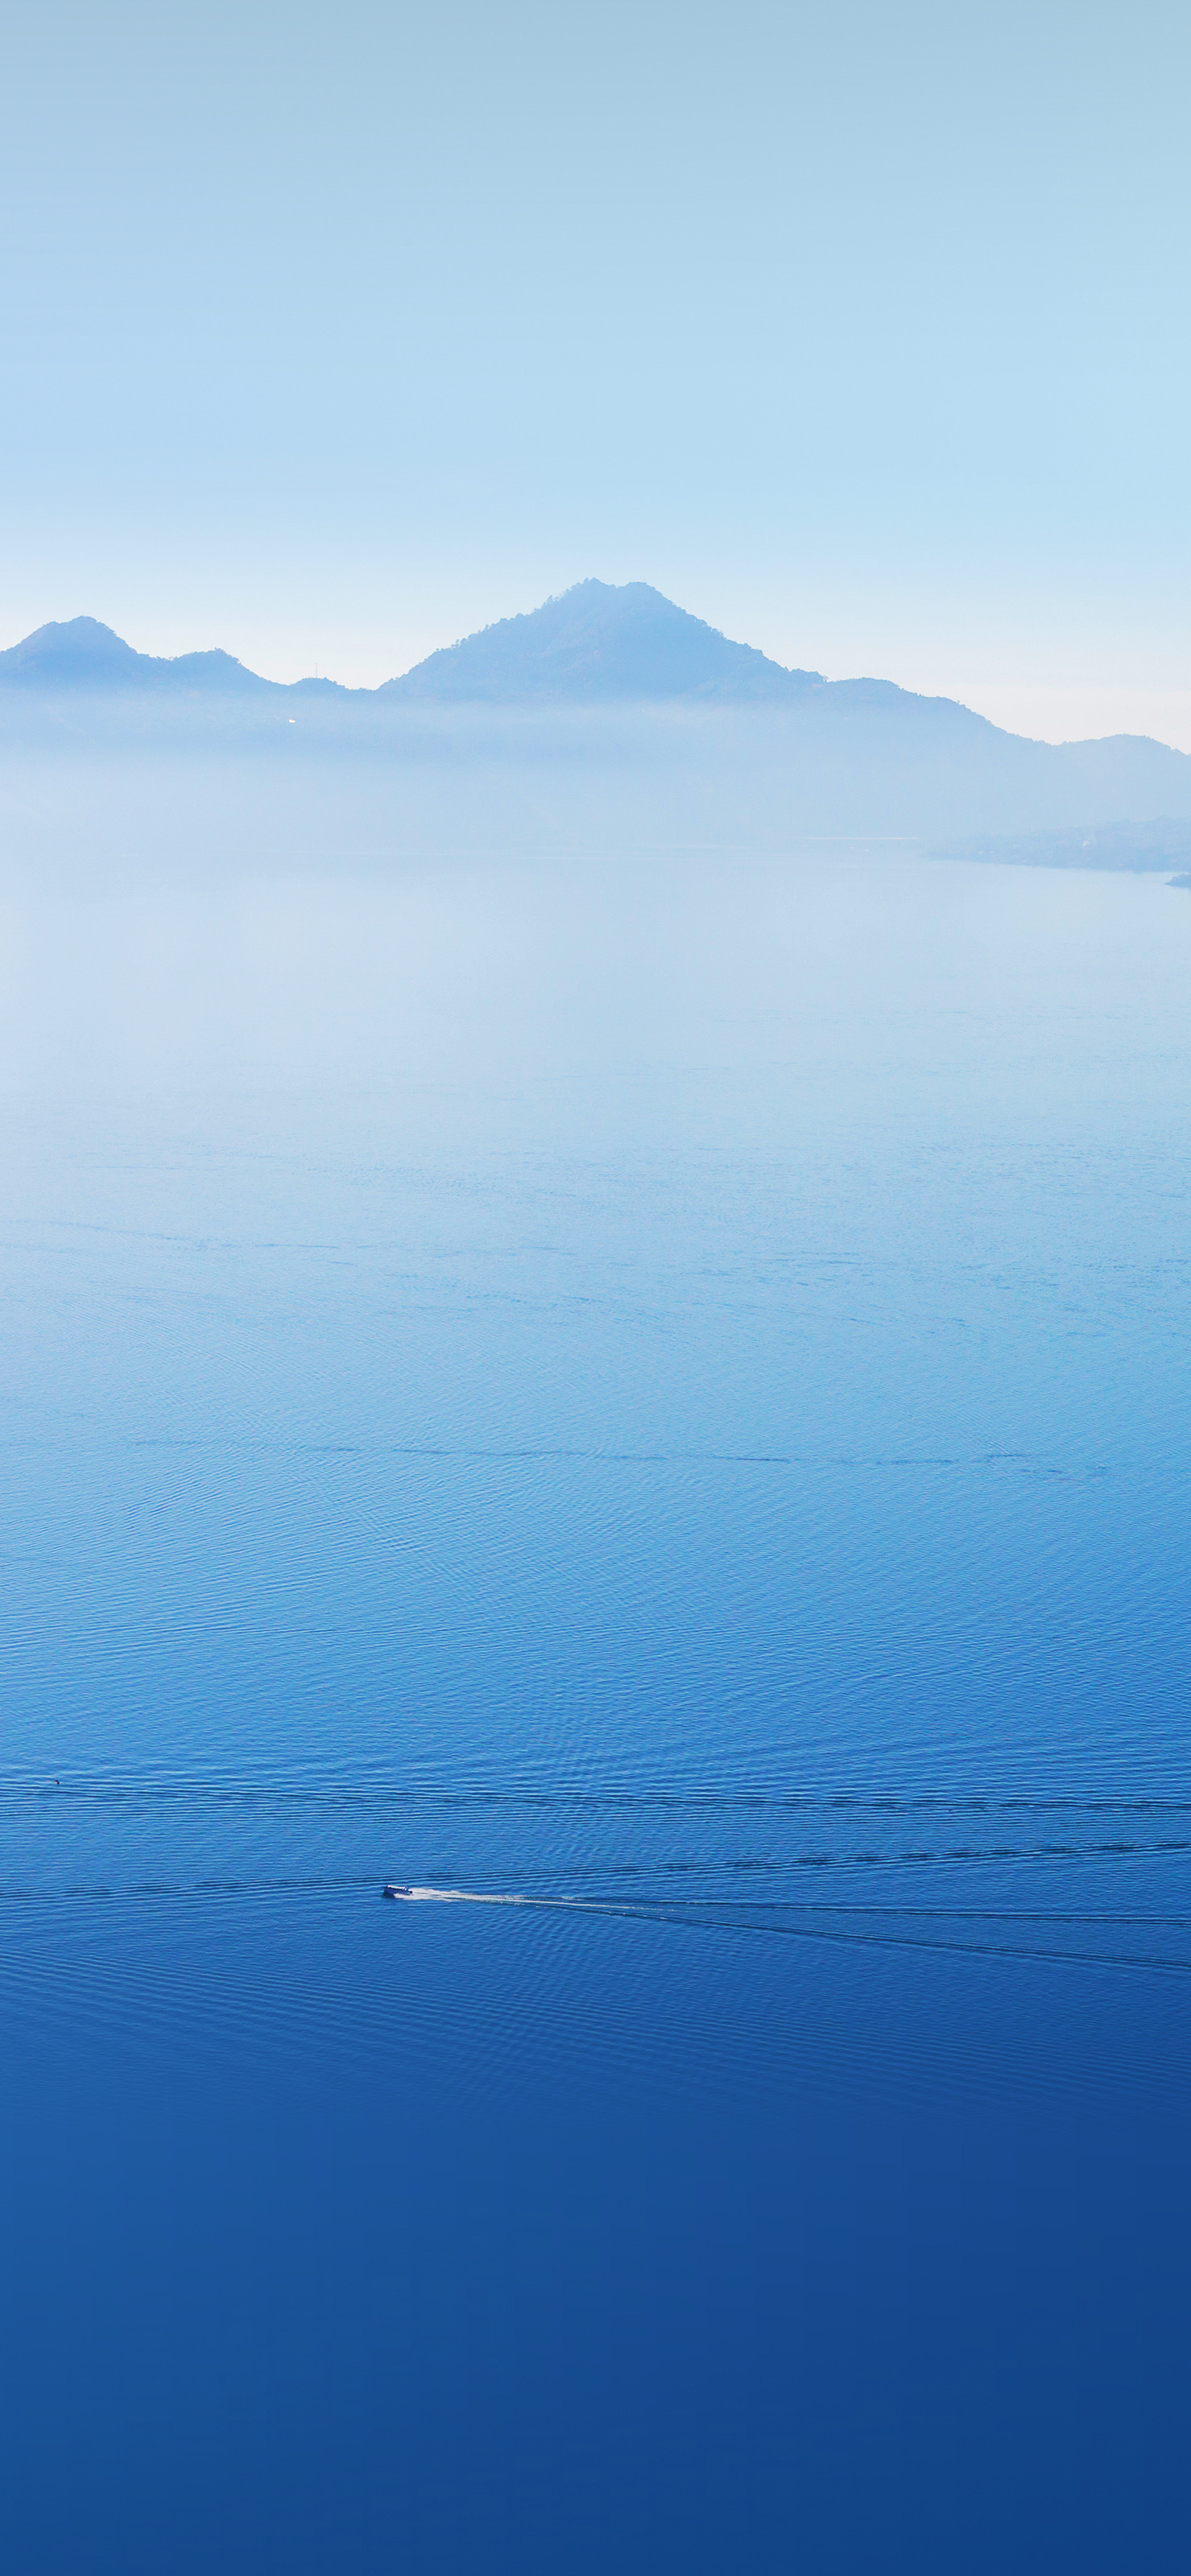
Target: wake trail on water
[
  {"x": 696, "y": 1915},
  {"x": 1041, "y": 1935},
  {"x": 456, "y": 1896},
  {"x": 479, "y": 1896}
]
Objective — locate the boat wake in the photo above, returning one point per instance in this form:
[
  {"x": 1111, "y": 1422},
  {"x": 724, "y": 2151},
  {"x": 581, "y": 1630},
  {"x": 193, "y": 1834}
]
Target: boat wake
[{"x": 448, "y": 1896}]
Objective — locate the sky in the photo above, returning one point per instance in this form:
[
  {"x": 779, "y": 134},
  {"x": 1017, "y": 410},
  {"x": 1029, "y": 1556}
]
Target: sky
[{"x": 330, "y": 335}]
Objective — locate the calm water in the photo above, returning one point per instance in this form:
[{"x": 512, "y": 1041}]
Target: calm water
[{"x": 663, "y": 1390}]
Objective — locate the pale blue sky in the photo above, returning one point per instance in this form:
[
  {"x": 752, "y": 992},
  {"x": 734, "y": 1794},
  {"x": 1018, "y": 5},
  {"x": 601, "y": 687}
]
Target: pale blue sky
[{"x": 330, "y": 334}]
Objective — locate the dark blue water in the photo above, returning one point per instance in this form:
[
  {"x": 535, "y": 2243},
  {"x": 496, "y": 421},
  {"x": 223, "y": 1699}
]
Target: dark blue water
[{"x": 662, "y": 1391}]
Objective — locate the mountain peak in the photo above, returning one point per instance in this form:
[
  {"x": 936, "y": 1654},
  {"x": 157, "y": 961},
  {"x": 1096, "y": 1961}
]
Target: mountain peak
[
  {"x": 80, "y": 653},
  {"x": 600, "y": 643},
  {"x": 70, "y": 651}
]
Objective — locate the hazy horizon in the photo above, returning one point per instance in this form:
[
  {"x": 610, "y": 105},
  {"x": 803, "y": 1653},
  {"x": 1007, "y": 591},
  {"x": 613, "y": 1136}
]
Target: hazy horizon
[
  {"x": 519, "y": 618},
  {"x": 862, "y": 334}
]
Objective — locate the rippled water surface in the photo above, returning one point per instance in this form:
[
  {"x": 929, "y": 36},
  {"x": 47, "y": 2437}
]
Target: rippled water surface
[{"x": 662, "y": 1391}]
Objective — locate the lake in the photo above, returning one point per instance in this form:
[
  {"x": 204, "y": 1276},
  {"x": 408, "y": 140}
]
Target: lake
[{"x": 659, "y": 1388}]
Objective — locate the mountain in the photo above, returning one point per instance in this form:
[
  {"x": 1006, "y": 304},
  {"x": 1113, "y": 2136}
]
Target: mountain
[
  {"x": 597, "y": 645},
  {"x": 82, "y": 654},
  {"x": 609, "y": 716},
  {"x": 600, "y": 645}
]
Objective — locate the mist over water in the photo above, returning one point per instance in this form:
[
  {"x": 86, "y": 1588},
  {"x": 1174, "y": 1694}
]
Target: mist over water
[
  {"x": 659, "y": 1386},
  {"x": 94, "y": 779}
]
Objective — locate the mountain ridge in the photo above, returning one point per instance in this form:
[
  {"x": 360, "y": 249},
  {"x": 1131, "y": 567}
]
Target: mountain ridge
[
  {"x": 609, "y": 683},
  {"x": 80, "y": 652},
  {"x": 598, "y": 644}
]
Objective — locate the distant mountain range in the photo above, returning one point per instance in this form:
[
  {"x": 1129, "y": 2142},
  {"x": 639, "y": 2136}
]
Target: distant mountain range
[
  {"x": 701, "y": 739},
  {"x": 596, "y": 646}
]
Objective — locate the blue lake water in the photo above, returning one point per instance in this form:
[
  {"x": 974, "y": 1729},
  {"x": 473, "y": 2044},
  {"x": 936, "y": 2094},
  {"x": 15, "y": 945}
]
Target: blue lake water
[{"x": 661, "y": 1389}]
